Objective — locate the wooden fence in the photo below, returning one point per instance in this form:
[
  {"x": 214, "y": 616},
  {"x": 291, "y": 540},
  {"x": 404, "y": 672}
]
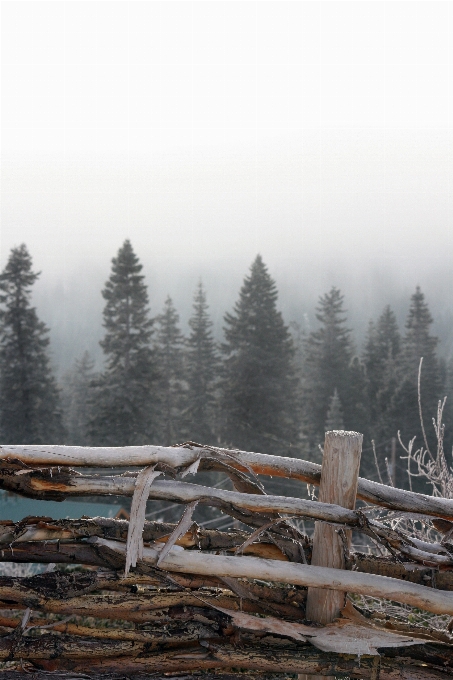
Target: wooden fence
[{"x": 152, "y": 598}]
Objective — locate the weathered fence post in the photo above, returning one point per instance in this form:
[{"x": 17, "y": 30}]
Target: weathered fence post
[{"x": 339, "y": 474}]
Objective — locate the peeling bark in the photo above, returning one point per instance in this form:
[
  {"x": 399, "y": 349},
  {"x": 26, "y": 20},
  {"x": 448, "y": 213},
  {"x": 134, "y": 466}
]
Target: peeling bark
[{"x": 267, "y": 654}]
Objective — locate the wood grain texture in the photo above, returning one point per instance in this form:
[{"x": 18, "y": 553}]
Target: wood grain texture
[
  {"x": 339, "y": 475},
  {"x": 194, "y": 562}
]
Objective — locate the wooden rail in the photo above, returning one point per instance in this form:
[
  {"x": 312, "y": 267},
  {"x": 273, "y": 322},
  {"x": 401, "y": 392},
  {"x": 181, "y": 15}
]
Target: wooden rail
[
  {"x": 180, "y": 457},
  {"x": 207, "y": 599}
]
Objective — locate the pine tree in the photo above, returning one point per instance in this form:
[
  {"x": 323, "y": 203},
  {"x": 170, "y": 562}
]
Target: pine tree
[
  {"x": 29, "y": 398},
  {"x": 334, "y": 420},
  {"x": 202, "y": 372},
  {"x": 76, "y": 404},
  {"x": 123, "y": 397},
  {"x": 448, "y": 409},
  {"x": 328, "y": 353},
  {"x": 259, "y": 384},
  {"x": 417, "y": 343},
  {"x": 356, "y": 395},
  {"x": 170, "y": 344},
  {"x": 381, "y": 356}
]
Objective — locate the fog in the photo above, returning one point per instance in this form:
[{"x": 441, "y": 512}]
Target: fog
[{"x": 316, "y": 133}]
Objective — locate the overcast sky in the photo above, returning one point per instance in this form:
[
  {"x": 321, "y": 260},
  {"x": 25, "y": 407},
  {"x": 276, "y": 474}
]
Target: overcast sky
[{"x": 316, "y": 133}]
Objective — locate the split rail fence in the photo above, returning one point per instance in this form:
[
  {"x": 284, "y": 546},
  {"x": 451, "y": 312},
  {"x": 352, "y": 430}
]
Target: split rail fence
[{"x": 142, "y": 599}]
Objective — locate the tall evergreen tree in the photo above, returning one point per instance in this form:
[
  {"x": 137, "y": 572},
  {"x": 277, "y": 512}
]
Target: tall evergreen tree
[
  {"x": 29, "y": 398},
  {"x": 448, "y": 409},
  {"x": 170, "y": 344},
  {"x": 417, "y": 343},
  {"x": 202, "y": 372},
  {"x": 334, "y": 420},
  {"x": 328, "y": 353},
  {"x": 123, "y": 397},
  {"x": 381, "y": 357},
  {"x": 356, "y": 396},
  {"x": 259, "y": 384},
  {"x": 76, "y": 405}
]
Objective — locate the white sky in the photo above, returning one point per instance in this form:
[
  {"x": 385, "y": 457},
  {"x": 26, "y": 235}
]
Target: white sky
[{"x": 312, "y": 132}]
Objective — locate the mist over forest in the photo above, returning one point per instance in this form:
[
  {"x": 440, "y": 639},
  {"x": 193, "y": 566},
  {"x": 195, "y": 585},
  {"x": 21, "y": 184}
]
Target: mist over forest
[
  {"x": 225, "y": 369},
  {"x": 71, "y": 304},
  {"x": 315, "y": 135}
]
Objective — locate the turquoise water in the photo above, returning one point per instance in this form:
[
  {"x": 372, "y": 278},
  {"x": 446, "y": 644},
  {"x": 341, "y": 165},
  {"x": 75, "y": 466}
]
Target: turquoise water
[{"x": 16, "y": 508}]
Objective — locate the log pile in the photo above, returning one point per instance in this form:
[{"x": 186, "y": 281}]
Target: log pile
[{"x": 142, "y": 599}]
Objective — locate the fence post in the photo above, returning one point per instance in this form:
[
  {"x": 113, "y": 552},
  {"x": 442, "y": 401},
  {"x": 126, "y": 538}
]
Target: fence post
[{"x": 339, "y": 474}]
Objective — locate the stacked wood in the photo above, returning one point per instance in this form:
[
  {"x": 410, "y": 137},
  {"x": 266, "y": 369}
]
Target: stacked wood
[{"x": 145, "y": 598}]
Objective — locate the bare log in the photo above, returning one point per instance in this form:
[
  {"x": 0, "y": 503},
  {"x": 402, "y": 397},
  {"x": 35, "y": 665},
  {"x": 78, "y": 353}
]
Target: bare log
[
  {"x": 180, "y": 457},
  {"x": 50, "y": 484},
  {"x": 187, "y": 561},
  {"x": 340, "y": 470},
  {"x": 82, "y": 553}
]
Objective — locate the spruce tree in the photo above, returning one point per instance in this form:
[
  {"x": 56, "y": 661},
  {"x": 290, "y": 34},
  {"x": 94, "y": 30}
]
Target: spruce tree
[
  {"x": 448, "y": 409},
  {"x": 356, "y": 395},
  {"x": 202, "y": 373},
  {"x": 334, "y": 420},
  {"x": 123, "y": 396},
  {"x": 381, "y": 357},
  {"x": 76, "y": 404},
  {"x": 328, "y": 353},
  {"x": 259, "y": 384},
  {"x": 170, "y": 344},
  {"x": 29, "y": 398},
  {"x": 417, "y": 343}
]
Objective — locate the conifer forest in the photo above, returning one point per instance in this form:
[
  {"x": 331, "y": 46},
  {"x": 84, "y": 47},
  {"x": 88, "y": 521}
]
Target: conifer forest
[{"x": 267, "y": 386}]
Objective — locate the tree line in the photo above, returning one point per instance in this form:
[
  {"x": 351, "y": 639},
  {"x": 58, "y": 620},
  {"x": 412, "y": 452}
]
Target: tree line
[{"x": 266, "y": 387}]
